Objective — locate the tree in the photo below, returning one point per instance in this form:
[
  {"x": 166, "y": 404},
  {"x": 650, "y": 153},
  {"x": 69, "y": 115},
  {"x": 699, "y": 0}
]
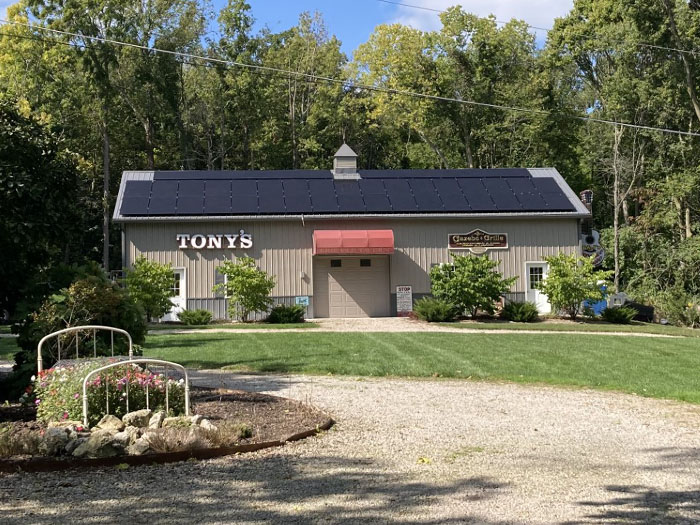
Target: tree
[
  {"x": 572, "y": 280},
  {"x": 246, "y": 287},
  {"x": 39, "y": 187},
  {"x": 150, "y": 284},
  {"x": 470, "y": 283}
]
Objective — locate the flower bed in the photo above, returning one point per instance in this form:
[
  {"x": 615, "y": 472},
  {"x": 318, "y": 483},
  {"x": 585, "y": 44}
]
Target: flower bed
[{"x": 58, "y": 391}]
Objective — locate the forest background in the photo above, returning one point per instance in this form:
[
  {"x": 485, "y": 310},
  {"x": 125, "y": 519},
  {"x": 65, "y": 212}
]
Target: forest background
[{"x": 75, "y": 111}]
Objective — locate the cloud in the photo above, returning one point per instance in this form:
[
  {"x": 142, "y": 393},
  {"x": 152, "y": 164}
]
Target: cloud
[{"x": 540, "y": 13}]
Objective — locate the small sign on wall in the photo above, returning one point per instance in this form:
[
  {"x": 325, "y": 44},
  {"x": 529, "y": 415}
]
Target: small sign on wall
[
  {"x": 477, "y": 241},
  {"x": 404, "y": 300},
  {"x": 301, "y": 300}
]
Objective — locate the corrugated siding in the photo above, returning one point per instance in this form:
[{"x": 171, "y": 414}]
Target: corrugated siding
[{"x": 284, "y": 248}]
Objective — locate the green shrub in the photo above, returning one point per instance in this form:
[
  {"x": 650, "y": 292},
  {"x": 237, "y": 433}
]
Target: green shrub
[
  {"x": 287, "y": 314},
  {"x": 619, "y": 315},
  {"x": 434, "y": 310},
  {"x": 195, "y": 317},
  {"x": 471, "y": 283},
  {"x": 678, "y": 308},
  {"x": 150, "y": 284},
  {"x": 247, "y": 287},
  {"x": 571, "y": 281},
  {"x": 91, "y": 300},
  {"x": 520, "y": 312},
  {"x": 59, "y": 391}
]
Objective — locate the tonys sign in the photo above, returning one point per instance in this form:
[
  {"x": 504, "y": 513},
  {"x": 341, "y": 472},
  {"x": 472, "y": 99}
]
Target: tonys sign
[
  {"x": 478, "y": 241},
  {"x": 215, "y": 241}
]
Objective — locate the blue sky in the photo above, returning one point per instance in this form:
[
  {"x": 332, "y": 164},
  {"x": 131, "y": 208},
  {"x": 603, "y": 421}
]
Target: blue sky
[{"x": 352, "y": 21}]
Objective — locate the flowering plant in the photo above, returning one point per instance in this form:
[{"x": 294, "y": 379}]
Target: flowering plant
[{"x": 59, "y": 391}]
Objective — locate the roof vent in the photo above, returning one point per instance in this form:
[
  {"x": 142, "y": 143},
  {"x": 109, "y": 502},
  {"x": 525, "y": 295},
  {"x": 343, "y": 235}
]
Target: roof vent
[{"x": 345, "y": 164}]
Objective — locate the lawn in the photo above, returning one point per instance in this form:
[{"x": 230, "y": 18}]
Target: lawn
[
  {"x": 230, "y": 326},
  {"x": 8, "y": 348},
  {"x": 654, "y": 367},
  {"x": 583, "y": 326}
]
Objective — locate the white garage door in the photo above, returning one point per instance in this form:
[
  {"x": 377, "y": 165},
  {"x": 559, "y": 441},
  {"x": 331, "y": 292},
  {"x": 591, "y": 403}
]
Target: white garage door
[{"x": 351, "y": 287}]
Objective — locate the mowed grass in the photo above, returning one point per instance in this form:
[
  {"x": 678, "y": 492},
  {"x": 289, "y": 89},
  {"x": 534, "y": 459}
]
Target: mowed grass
[
  {"x": 648, "y": 366},
  {"x": 583, "y": 326},
  {"x": 230, "y": 326},
  {"x": 8, "y": 348}
]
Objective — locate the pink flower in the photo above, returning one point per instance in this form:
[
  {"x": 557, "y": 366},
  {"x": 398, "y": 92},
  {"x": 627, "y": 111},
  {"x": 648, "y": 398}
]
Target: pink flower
[
  {"x": 65, "y": 415},
  {"x": 76, "y": 396},
  {"x": 37, "y": 401}
]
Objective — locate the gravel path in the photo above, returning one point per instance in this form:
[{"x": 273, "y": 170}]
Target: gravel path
[
  {"x": 410, "y": 451},
  {"x": 393, "y": 324}
]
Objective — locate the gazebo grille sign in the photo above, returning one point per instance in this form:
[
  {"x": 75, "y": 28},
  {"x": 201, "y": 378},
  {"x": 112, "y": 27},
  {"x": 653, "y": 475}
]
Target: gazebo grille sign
[{"x": 477, "y": 241}]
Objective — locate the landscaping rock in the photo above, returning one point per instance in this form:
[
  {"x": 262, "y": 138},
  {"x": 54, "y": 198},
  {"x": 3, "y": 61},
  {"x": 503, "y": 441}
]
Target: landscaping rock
[
  {"x": 139, "y": 418},
  {"x": 176, "y": 422},
  {"x": 73, "y": 444},
  {"x": 65, "y": 424},
  {"x": 140, "y": 447},
  {"x": 55, "y": 440},
  {"x": 110, "y": 422},
  {"x": 207, "y": 425},
  {"x": 156, "y": 420},
  {"x": 100, "y": 444},
  {"x": 197, "y": 419}
]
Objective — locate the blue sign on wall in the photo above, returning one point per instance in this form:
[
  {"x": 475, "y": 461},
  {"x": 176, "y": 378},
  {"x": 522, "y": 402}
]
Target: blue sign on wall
[{"x": 302, "y": 300}]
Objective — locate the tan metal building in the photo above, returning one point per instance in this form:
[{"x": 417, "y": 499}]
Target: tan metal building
[{"x": 345, "y": 241}]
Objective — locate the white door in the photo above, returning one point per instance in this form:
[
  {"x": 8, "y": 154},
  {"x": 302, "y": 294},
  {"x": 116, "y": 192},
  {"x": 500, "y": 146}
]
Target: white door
[
  {"x": 536, "y": 273},
  {"x": 178, "y": 297}
]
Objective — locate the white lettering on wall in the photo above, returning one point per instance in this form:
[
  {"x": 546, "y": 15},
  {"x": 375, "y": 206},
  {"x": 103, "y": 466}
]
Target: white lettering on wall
[{"x": 212, "y": 241}]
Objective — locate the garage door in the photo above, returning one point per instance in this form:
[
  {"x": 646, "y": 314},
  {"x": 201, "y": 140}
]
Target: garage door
[{"x": 351, "y": 287}]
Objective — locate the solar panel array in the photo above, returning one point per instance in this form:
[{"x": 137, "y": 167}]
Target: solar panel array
[{"x": 316, "y": 192}]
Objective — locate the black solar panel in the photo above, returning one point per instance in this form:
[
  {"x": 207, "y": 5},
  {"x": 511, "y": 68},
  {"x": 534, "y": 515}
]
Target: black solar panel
[
  {"x": 163, "y": 198},
  {"x": 271, "y": 196},
  {"x": 553, "y": 195},
  {"x": 502, "y": 195},
  {"x": 218, "y": 197},
  {"x": 296, "y": 196},
  {"x": 476, "y": 195},
  {"x": 136, "y": 196},
  {"x": 316, "y": 192},
  {"x": 426, "y": 195},
  {"x": 450, "y": 195},
  {"x": 323, "y": 199}
]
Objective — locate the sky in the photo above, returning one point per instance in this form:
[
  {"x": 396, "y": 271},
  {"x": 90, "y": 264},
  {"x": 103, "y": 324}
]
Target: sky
[{"x": 352, "y": 21}]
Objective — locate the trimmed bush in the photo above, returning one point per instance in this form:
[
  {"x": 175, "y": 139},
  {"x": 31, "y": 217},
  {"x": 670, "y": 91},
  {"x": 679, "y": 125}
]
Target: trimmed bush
[
  {"x": 619, "y": 315},
  {"x": 287, "y": 314},
  {"x": 520, "y": 312},
  {"x": 434, "y": 310},
  {"x": 59, "y": 391},
  {"x": 195, "y": 317}
]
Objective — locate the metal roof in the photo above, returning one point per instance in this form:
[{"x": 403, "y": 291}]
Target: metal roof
[{"x": 197, "y": 195}]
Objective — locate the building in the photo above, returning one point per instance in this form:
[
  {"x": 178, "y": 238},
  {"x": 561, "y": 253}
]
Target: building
[{"x": 345, "y": 241}]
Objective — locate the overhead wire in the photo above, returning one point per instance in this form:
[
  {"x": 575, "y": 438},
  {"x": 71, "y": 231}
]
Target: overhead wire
[{"x": 348, "y": 84}]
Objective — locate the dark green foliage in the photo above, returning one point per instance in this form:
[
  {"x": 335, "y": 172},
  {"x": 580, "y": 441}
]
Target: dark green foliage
[
  {"x": 520, "y": 312},
  {"x": 287, "y": 314},
  {"x": 39, "y": 189},
  {"x": 195, "y": 317},
  {"x": 434, "y": 310},
  {"x": 619, "y": 315},
  {"x": 91, "y": 300}
]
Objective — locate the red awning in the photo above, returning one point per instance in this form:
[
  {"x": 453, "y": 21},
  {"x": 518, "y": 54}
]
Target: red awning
[{"x": 353, "y": 242}]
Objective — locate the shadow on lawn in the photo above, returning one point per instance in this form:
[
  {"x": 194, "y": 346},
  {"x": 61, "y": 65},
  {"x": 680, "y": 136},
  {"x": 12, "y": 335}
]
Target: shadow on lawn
[
  {"x": 272, "y": 489},
  {"x": 250, "y": 382}
]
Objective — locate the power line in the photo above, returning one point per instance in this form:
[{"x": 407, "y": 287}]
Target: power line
[
  {"x": 348, "y": 84},
  {"x": 546, "y": 29}
]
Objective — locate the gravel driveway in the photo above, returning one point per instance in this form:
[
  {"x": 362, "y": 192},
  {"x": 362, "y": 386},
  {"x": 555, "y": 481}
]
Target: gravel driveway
[{"x": 410, "y": 451}]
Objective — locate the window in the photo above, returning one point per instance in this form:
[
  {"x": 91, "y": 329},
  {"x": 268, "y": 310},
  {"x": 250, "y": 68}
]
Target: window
[
  {"x": 336, "y": 263},
  {"x": 365, "y": 262},
  {"x": 536, "y": 276},
  {"x": 175, "y": 288}
]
